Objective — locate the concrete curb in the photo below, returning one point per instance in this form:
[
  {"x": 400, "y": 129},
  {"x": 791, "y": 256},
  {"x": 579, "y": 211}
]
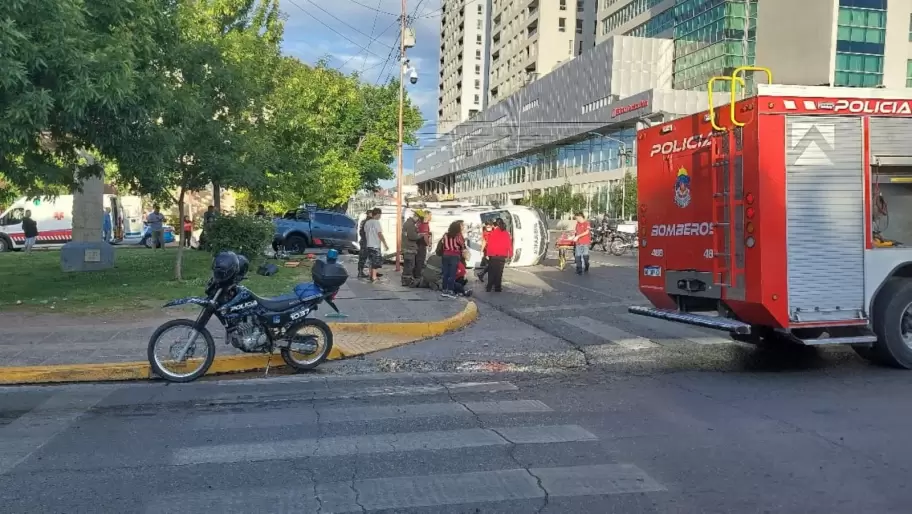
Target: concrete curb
[{"x": 396, "y": 334}]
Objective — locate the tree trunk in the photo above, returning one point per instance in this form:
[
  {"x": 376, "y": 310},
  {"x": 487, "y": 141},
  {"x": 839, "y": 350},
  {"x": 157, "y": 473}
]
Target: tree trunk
[
  {"x": 179, "y": 264},
  {"x": 217, "y": 197}
]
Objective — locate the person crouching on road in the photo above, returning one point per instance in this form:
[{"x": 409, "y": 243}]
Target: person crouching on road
[
  {"x": 453, "y": 246},
  {"x": 460, "y": 287},
  {"x": 411, "y": 274},
  {"x": 583, "y": 238},
  {"x": 499, "y": 248}
]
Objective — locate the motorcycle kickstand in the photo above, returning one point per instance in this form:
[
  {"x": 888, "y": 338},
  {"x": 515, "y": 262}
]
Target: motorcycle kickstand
[{"x": 268, "y": 360}]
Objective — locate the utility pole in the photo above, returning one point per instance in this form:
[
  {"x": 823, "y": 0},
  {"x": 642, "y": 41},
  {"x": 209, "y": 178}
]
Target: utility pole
[{"x": 401, "y": 137}]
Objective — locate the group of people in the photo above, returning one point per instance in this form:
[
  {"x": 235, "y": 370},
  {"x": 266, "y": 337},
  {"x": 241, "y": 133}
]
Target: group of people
[{"x": 445, "y": 269}]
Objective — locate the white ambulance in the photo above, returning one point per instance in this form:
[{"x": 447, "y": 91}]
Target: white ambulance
[{"x": 54, "y": 217}]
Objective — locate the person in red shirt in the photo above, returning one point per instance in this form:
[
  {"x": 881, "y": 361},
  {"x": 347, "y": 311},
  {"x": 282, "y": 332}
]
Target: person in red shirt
[
  {"x": 499, "y": 248},
  {"x": 583, "y": 238}
]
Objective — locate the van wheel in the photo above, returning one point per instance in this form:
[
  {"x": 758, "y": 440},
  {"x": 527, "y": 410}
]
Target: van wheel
[
  {"x": 892, "y": 314},
  {"x": 5, "y": 245}
]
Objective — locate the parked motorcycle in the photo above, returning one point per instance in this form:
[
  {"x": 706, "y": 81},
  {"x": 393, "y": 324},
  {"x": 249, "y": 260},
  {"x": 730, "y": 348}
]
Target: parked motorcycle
[
  {"x": 622, "y": 242},
  {"x": 252, "y": 324},
  {"x": 599, "y": 234}
]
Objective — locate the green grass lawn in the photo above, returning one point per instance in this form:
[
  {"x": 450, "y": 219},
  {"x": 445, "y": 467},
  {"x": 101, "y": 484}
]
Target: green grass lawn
[{"x": 141, "y": 279}]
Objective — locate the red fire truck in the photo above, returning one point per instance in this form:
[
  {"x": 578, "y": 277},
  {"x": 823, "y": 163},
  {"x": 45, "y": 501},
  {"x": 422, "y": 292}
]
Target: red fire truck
[{"x": 781, "y": 216}]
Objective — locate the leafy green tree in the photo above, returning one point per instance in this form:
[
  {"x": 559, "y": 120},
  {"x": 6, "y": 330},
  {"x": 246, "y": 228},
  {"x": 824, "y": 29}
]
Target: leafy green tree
[
  {"x": 333, "y": 133},
  {"x": 75, "y": 75},
  {"x": 210, "y": 127}
]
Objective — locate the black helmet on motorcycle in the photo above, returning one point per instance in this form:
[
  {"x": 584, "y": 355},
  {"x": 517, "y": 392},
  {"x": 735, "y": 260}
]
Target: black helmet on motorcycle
[
  {"x": 225, "y": 267},
  {"x": 243, "y": 265}
]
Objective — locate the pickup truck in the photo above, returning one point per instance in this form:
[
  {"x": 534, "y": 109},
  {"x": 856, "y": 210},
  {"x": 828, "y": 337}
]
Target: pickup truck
[{"x": 305, "y": 228}]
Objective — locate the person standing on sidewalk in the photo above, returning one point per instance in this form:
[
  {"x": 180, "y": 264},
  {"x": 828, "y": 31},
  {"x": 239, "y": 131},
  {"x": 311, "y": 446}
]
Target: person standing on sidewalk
[
  {"x": 157, "y": 225},
  {"x": 29, "y": 231},
  {"x": 362, "y": 241},
  {"x": 424, "y": 230},
  {"x": 107, "y": 225},
  {"x": 453, "y": 244},
  {"x": 483, "y": 266},
  {"x": 499, "y": 248},
  {"x": 583, "y": 238},
  {"x": 410, "y": 239},
  {"x": 373, "y": 233}
]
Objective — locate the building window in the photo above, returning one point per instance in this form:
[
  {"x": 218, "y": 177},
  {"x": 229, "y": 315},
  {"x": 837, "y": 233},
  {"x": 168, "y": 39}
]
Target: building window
[
  {"x": 909, "y": 73},
  {"x": 478, "y": 54},
  {"x": 477, "y": 84},
  {"x": 477, "y": 68},
  {"x": 860, "y": 38},
  {"x": 562, "y": 24},
  {"x": 910, "y": 27},
  {"x": 579, "y": 26},
  {"x": 479, "y": 23},
  {"x": 479, "y": 8},
  {"x": 478, "y": 39},
  {"x": 579, "y": 5},
  {"x": 563, "y": 5},
  {"x": 477, "y": 99}
]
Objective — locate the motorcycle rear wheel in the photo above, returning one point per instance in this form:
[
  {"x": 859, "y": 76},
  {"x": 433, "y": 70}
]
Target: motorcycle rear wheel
[
  {"x": 617, "y": 247},
  {"x": 313, "y": 358},
  {"x": 203, "y": 364}
]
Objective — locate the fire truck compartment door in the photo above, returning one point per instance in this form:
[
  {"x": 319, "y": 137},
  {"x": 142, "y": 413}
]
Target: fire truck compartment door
[
  {"x": 825, "y": 218},
  {"x": 890, "y": 141}
]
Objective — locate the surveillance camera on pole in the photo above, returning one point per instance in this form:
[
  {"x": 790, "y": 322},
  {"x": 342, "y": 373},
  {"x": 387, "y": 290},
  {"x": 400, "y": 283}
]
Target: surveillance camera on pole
[{"x": 410, "y": 71}]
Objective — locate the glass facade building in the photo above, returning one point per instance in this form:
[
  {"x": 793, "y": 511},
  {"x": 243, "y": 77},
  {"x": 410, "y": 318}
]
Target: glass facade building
[
  {"x": 860, "y": 40},
  {"x": 709, "y": 40},
  {"x": 611, "y": 151}
]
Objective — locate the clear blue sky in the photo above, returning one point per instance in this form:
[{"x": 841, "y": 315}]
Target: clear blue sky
[{"x": 357, "y": 35}]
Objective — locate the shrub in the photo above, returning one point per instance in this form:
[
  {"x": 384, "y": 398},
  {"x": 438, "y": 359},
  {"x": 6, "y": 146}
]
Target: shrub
[{"x": 243, "y": 234}]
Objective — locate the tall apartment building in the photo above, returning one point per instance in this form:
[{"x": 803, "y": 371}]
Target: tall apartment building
[
  {"x": 840, "y": 42},
  {"x": 856, "y": 43},
  {"x": 530, "y": 38},
  {"x": 464, "y": 57}
]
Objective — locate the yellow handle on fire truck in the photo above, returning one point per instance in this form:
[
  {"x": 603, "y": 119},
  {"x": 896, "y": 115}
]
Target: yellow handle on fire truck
[
  {"x": 712, "y": 112},
  {"x": 734, "y": 93}
]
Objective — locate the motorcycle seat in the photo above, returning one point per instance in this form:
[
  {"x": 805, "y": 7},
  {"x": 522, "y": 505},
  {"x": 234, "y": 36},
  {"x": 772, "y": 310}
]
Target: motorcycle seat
[{"x": 279, "y": 303}]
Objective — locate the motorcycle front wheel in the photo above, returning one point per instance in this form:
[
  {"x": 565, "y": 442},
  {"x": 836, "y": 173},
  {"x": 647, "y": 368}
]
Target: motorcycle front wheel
[
  {"x": 183, "y": 360},
  {"x": 617, "y": 247},
  {"x": 305, "y": 350}
]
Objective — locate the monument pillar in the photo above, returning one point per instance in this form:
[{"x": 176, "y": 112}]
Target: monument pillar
[{"x": 87, "y": 251}]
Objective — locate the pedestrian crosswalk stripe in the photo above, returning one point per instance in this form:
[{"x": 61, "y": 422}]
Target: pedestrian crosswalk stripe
[
  {"x": 368, "y": 413},
  {"x": 399, "y": 493},
  {"x": 609, "y": 333},
  {"x": 574, "y": 307},
  {"x": 377, "y": 443},
  {"x": 678, "y": 330},
  {"x": 365, "y": 392}
]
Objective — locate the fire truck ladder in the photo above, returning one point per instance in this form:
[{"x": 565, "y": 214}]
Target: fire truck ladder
[{"x": 724, "y": 263}]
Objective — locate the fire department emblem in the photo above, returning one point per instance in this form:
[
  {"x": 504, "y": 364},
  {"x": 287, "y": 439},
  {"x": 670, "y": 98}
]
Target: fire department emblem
[{"x": 682, "y": 188}]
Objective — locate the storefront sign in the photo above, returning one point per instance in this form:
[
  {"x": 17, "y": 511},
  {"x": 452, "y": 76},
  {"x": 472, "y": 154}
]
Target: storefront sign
[{"x": 617, "y": 111}]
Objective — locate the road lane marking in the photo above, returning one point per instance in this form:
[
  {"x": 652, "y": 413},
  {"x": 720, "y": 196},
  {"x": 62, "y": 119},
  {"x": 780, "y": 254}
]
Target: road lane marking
[
  {"x": 364, "y": 392},
  {"x": 609, "y": 333},
  {"x": 677, "y": 330},
  {"x": 30, "y": 432},
  {"x": 573, "y": 306},
  {"x": 400, "y": 493},
  {"x": 340, "y": 446}
]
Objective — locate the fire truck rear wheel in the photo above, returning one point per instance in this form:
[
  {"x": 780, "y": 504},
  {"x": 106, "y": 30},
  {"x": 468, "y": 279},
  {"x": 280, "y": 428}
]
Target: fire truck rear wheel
[{"x": 892, "y": 315}]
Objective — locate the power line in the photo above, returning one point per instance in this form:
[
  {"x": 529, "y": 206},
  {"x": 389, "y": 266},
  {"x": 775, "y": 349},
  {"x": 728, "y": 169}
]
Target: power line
[
  {"x": 340, "y": 20},
  {"x": 372, "y": 41},
  {"x": 321, "y": 22},
  {"x": 373, "y": 26},
  {"x": 376, "y": 9}
]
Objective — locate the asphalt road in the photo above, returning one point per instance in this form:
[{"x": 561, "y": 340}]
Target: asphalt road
[
  {"x": 597, "y": 412},
  {"x": 585, "y": 442}
]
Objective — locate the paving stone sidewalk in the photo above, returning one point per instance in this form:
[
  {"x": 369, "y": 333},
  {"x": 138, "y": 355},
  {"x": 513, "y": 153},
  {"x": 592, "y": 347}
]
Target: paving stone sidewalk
[{"x": 48, "y": 339}]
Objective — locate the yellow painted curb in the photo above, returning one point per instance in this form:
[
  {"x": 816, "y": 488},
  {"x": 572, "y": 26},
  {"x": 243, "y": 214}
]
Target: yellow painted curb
[{"x": 398, "y": 335}]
